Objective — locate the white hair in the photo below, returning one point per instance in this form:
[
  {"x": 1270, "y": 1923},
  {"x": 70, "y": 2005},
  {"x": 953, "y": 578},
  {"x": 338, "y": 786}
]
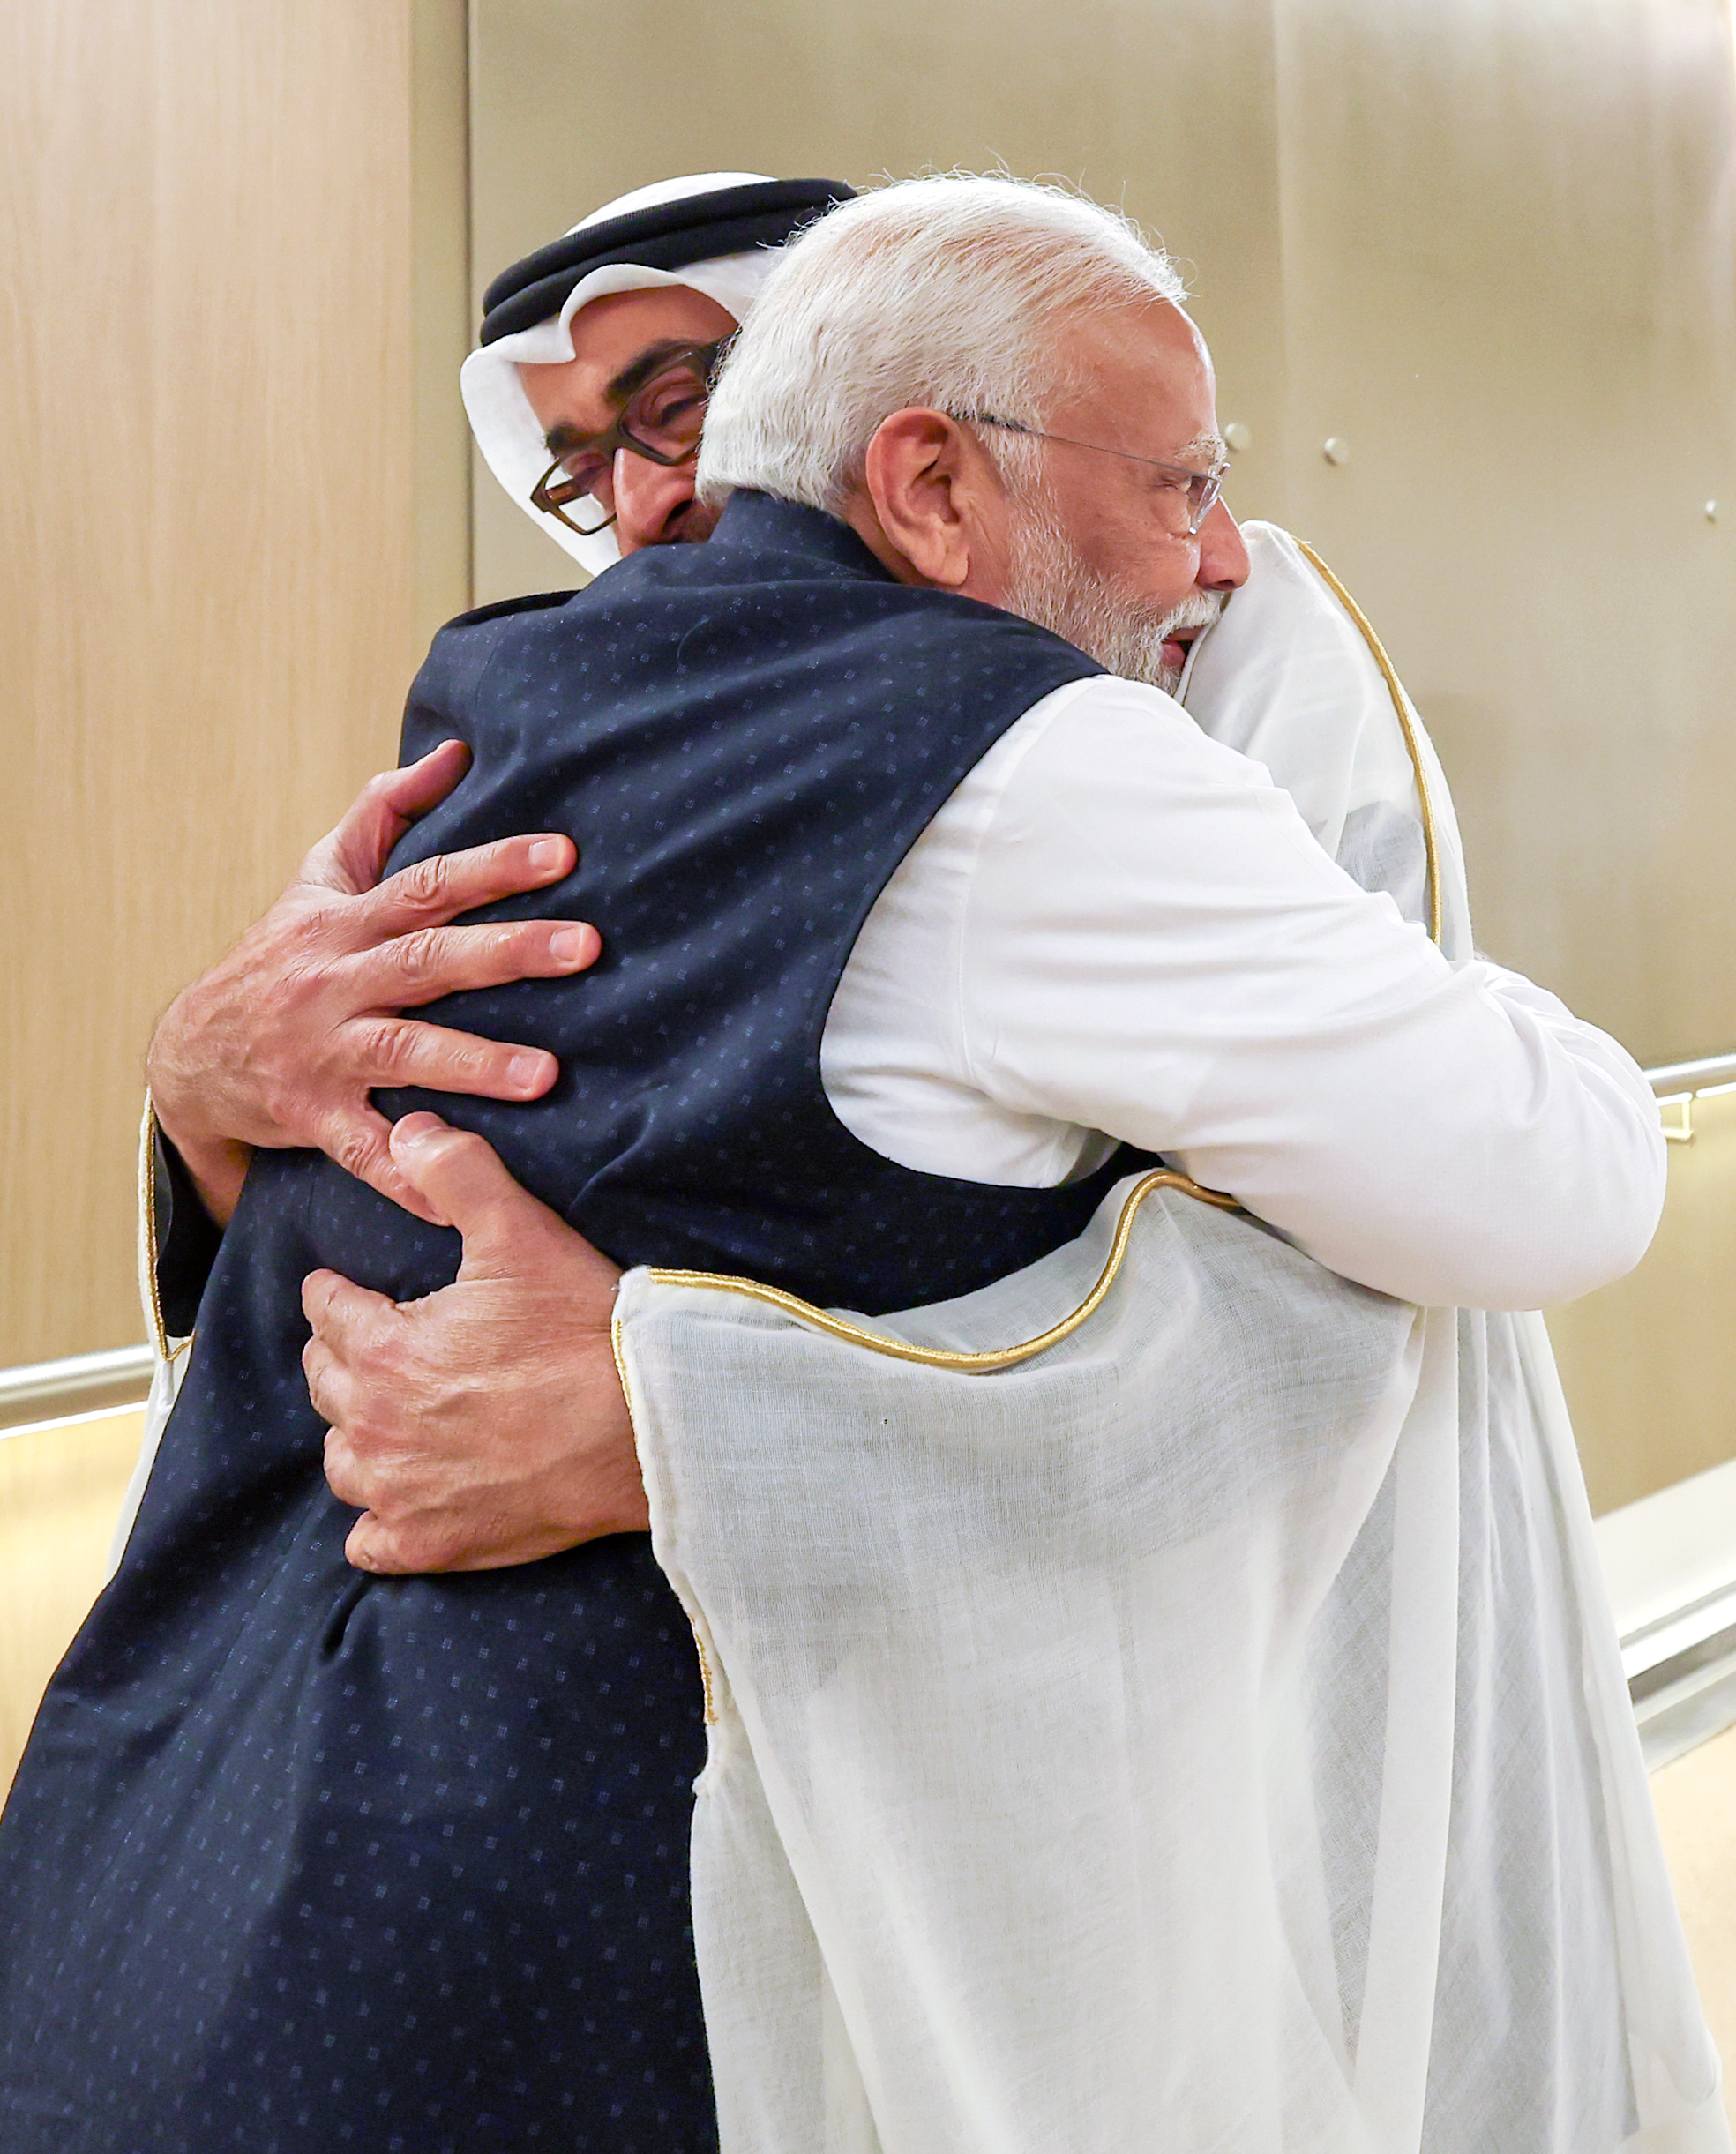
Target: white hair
[{"x": 953, "y": 294}]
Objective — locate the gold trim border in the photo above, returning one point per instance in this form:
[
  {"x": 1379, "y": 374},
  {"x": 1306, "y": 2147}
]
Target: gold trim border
[
  {"x": 150, "y": 1256},
  {"x": 942, "y": 1358},
  {"x": 619, "y": 1348},
  {"x": 147, "y": 1229},
  {"x": 1431, "y": 845}
]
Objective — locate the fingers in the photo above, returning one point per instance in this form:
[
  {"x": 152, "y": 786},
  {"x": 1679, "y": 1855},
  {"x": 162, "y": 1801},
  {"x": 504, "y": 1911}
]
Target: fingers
[
  {"x": 485, "y": 1424},
  {"x": 359, "y": 1139},
  {"x": 424, "y": 964},
  {"x": 351, "y": 858},
  {"x": 508, "y": 1235},
  {"x": 460, "y": 1177},
  {"x": 347, "y": 1320},
  {"x": 430, "y": 892},
  {"x": 329, "y": 1385},
  {"x": 401, "y": 1051},
  {"x": 373, "y": 1547},
  {"x": 392, "y": 1550},
  {"x": 421, "y": 785}
]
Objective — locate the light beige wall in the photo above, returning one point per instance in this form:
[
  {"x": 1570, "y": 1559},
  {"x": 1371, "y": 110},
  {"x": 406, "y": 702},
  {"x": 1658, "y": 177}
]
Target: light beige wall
[
  {"x": 61, "y": 1487},
  {"x": 1650, "y": 1363},
  {"x": 1490, "y": 247},
  {"x": 1509, "y": 258},
  {"x": 211, "y": 593}
]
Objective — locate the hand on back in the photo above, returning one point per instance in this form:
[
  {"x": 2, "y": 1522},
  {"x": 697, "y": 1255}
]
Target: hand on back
[
  {"x": 281, "y": 1042},
  {"x": 484, "y": 1425}
]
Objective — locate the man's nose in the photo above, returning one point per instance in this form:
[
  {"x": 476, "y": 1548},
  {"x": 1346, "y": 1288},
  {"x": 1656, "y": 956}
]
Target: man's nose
[
  {"x": 1224, "y": 559},
  {"x": 649, "y": 499}
]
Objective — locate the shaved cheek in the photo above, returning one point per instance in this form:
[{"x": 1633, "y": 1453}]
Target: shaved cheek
[
  {"x": 1148, "y": 563},
  {"x": 655, "y": 505}
]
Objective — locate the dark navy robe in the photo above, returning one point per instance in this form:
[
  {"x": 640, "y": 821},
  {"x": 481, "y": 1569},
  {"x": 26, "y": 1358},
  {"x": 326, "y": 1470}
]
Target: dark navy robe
[{"x": 302, "y": 1859}]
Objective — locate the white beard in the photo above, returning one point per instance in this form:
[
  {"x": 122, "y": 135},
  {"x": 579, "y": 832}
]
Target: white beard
[{"x": 1051, "y": 585}]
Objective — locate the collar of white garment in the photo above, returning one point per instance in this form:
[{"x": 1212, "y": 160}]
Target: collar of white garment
[{"x": 506, "y": 429}]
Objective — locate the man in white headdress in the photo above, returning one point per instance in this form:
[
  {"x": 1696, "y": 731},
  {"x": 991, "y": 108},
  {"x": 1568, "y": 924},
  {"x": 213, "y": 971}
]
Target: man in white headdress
[
  {"x": 709, "y": 239},
  {"x": 1366, "y": 2016}
]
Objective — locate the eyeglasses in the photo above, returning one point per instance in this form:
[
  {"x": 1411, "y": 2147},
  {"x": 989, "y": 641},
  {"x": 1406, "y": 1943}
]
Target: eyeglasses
[
  {"x": 661, "y": 421},
  {"x": 1202, "y": 488}
]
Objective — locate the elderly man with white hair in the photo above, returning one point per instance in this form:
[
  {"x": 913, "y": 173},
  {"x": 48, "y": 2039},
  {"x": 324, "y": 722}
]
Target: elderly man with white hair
[{"x": 1145, "y": 1731}]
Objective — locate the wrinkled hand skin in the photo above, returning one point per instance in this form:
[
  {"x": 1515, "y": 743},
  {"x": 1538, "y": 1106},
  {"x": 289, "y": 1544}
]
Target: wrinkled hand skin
[
  {"x": 484, "y": 1425},
  {"x": 280, "y": 1044}
]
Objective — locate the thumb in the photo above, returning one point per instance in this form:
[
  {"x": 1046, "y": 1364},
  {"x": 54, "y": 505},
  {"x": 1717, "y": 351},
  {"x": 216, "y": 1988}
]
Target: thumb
[
  {"x": 352, "y": 857},
  {"x": 460, "y": 1177},
  {"x": 373, "y": 1546}
]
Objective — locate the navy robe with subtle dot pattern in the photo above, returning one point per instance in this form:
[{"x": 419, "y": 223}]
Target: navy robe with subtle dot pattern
[{"x": 301, "y": 1859}]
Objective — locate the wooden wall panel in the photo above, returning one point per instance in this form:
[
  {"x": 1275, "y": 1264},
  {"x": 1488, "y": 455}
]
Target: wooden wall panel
[
  {"x": 440, "y": 299},
  {"x": 209, "y": 590}
]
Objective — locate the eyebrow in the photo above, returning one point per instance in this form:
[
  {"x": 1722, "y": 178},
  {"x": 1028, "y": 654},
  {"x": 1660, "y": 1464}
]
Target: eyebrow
[
  {"x": 1212, "y": 447},
  {"x": 637, "y": 372},
  {"x": 563, "y": 440}
]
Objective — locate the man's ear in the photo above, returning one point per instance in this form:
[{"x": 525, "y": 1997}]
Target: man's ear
[{"x": 936, "y": 499}]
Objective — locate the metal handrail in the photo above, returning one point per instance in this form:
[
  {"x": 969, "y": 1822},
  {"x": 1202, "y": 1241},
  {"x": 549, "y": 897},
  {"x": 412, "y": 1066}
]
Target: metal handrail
[
  {"x": 80, "y": 1383},
  {"x": 1677, "y": 1079},
  {"x": 1678, "y": 1085}
]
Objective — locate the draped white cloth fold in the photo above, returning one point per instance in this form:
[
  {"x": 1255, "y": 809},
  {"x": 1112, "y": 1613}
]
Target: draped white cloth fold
[{"x": 1208, "y": 1735}]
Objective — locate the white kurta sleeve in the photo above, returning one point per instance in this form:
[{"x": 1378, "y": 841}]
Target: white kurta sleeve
[{"x": 1143, "y": 939}]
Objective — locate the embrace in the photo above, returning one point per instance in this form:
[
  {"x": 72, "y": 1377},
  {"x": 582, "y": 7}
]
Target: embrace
[{"x": 952, "y": 1257}]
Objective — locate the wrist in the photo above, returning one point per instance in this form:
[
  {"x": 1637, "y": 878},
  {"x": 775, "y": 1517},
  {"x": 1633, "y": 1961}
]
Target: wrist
[
  {"x": 614, "y": 1495},
  {"x": 216, "y": 1163},
  {"x": 216, "y": 1166}
]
